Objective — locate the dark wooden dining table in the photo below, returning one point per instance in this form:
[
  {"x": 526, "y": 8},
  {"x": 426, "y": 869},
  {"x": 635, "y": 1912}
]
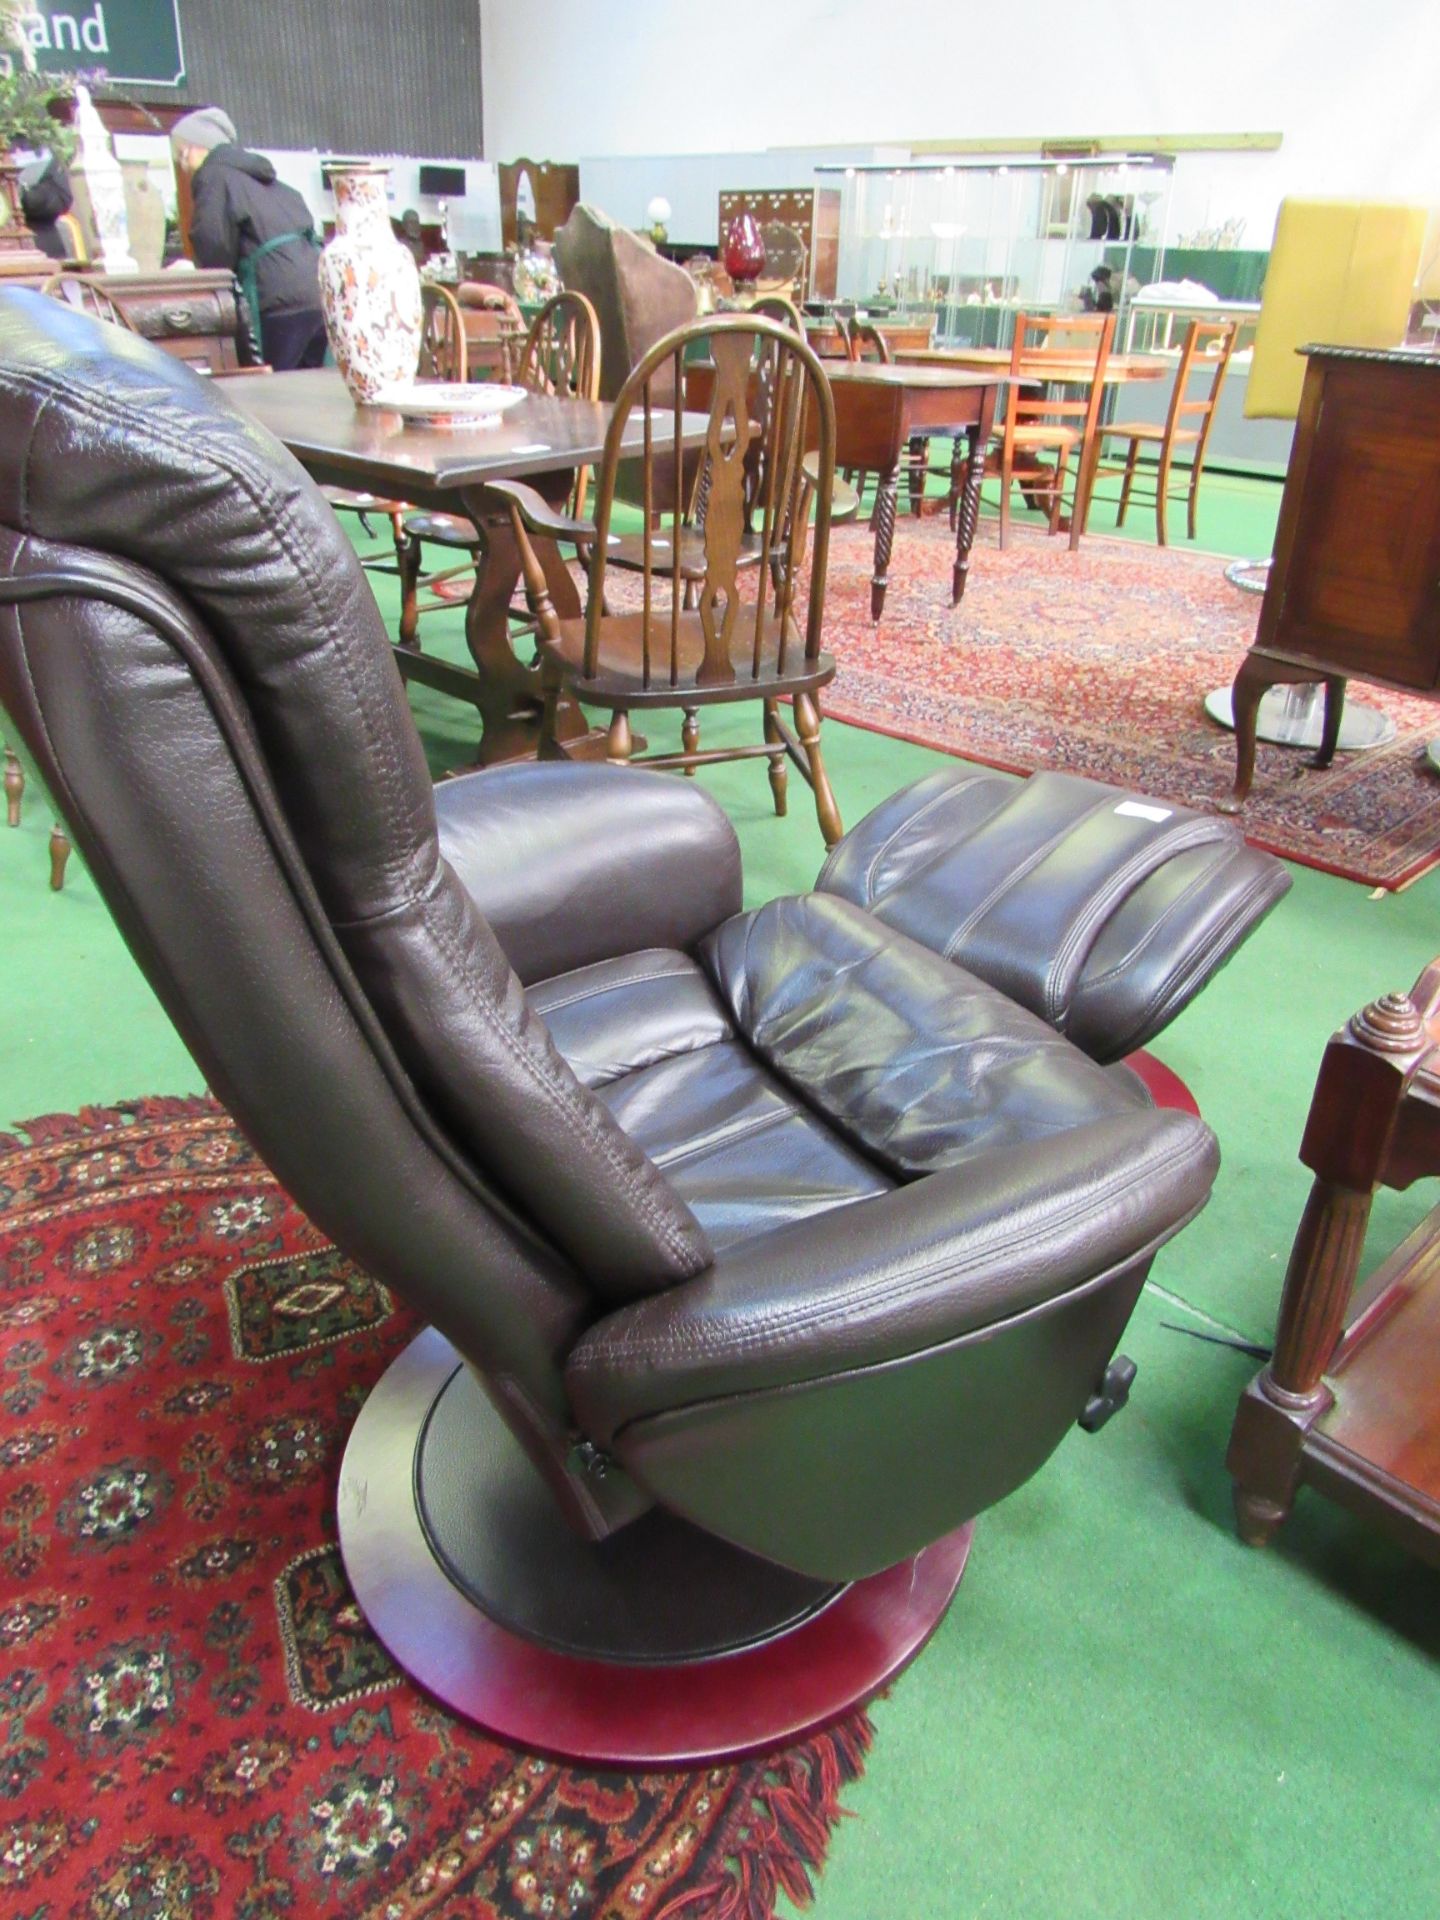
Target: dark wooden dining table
[
  {"x": 878, "y": 411},
  {"x": 448, "y": 470}
]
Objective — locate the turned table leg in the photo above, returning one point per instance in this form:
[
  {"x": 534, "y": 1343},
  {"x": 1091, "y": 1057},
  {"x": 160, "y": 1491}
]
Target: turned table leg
[
  {"x": 967, "y": 515},
  {"x": 883, "y": 520}
]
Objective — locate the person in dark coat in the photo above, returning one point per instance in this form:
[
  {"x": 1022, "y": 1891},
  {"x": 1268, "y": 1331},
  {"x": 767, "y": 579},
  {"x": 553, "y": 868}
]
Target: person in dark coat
[
  {"x": 44, "y": 195},
  {"x": 244, "y": 218}
]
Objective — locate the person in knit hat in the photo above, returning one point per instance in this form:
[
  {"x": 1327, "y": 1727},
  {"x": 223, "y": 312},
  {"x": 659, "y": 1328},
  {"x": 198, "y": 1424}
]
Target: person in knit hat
[{"x": 245, "y": 218}]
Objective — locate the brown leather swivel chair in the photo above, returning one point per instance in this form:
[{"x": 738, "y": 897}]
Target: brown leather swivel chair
[{"x": 763, "y": 1249}]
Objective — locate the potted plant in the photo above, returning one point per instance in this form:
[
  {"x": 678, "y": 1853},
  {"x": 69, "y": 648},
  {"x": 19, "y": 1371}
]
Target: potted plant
[{"x": 27, "y": 122}]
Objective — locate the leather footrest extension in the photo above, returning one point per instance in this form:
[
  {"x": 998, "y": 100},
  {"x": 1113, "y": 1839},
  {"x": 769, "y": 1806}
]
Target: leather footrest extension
[{"x": 1100, "y": 910}]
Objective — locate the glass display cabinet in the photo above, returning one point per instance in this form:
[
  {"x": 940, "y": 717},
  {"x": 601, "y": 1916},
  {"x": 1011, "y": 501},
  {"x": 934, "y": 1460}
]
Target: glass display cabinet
[{"x": 974, "y": 242}]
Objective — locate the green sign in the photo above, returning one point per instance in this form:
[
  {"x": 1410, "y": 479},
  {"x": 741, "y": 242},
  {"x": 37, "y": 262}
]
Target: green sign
[{"x": 132, "y": 42}]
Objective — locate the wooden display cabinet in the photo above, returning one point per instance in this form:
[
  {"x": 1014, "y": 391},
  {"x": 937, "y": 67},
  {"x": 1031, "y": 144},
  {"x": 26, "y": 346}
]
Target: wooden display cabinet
[
  {"x": 814, "y": 212},
  {"x": 1355, "y": 586}
]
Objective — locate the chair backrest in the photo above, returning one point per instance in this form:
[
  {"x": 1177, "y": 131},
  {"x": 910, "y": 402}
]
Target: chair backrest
[
  {"x": 785, "y": 313},
  {"x": 81, "y": 290},
  {"x": 865, "y": 341},
  {"x": 1064, "y": 384},
  {"x": 1207, "y": 348},
  {"x": 637, "y": 296},
  {"x": 443, "y": 354},
  {"x": 494, "y": 329},
  {"x": 1341, "y": 271},
  {"x": 561, "y": 354},
  {"x": 770, "y": 403},
  {"x": 192, "y": 651}
]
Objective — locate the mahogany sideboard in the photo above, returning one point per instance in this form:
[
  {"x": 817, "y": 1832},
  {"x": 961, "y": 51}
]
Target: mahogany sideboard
[{"x": 1355, "y": 585}]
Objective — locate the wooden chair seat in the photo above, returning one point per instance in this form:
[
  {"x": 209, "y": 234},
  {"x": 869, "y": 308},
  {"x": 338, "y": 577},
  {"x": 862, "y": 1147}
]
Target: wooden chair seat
[
  {"x": 1148, "y": 430},
  {"x": 620, "y": 669},
  {"x": 1044, "y": 436},
  {"x": 1208, "y": 344},
  {"x": 352, "y": 500},
  {"x": 445, "y": 529}
]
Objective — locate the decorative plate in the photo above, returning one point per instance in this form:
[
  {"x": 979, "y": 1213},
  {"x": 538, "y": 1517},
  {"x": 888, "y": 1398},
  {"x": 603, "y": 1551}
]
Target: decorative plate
[{"x": 450, "y": 404}]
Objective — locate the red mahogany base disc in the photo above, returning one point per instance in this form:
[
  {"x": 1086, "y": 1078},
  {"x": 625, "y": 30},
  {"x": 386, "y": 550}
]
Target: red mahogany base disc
[
  {"x": 829, "y": 1650},
  {"x": 1163, "y": 1084}
]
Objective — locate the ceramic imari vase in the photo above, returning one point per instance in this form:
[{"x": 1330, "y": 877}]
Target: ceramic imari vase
[{"x": 369, "y": 286}]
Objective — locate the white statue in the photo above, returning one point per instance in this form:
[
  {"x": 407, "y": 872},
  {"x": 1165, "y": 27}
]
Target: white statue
[{"x": 97, "y": 166}]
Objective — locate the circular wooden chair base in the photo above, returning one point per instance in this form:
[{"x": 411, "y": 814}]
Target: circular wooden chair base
[
  {"x": 661, "y": 1646},
  {"x": 1162, "y": 1083}
]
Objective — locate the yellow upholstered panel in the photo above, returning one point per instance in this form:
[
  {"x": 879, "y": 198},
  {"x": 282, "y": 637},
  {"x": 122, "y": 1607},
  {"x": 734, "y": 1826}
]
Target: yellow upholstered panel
[{"x": 1341, "y": 272}]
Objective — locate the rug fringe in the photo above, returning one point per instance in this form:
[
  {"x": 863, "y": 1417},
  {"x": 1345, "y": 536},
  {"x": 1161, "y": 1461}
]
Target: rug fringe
[
  {"x": 48, "y": 1129},
  {"x": 797, "y": 1803}
]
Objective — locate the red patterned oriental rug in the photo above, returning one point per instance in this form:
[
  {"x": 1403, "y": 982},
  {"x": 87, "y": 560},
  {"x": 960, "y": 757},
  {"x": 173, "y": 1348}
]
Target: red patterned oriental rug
[
  {"x": 1097, "y": 663},
  {"x": 196, "y": 1719}
]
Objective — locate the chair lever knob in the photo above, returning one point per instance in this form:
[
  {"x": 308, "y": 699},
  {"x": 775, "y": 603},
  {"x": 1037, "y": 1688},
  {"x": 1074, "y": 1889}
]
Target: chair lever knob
[{"x": 1111, "y": 1394}]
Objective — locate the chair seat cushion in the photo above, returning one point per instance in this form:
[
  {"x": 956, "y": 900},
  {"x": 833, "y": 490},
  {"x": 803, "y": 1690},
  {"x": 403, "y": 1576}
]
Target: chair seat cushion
[
  {"x": 617, "y": 1016},
  {"x": 919, "y": 1063},
  {"x": 650, "y": 1035}
]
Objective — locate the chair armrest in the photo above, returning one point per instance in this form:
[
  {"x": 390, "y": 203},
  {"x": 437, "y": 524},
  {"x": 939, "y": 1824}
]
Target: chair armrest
[
  {"x": 844, "y": 500},
  {"x": 572, "y": 864},
  {"x": 537, "y": 516}
]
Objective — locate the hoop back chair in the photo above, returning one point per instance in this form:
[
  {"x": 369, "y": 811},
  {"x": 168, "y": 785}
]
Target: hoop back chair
[
  {"x": 779, "y": 308},
  {"x": 694, "y": 641},
  {"x": 1207, "y": 348},
  {"x": 83, "y": 291},
  {"x": 740, "y": 1288},
  {"x": 561, "y": 356},
  {"x": 443, "y": 356},
  {"x": 1039, "y": 422},
  {"x": 631, "y": 553},
  {"x": 443, "y": 352}
]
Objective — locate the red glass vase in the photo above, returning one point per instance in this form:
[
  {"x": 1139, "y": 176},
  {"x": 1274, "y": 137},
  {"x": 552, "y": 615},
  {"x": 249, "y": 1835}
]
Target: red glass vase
[{"x": 744, "y": 248}]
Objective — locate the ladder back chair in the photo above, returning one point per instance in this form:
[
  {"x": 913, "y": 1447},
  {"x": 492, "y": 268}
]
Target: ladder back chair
[
  {"x": 1207, "y": 348},
  {"x": 1039, "y": 419},
  {"x": 690, "y": 642}
]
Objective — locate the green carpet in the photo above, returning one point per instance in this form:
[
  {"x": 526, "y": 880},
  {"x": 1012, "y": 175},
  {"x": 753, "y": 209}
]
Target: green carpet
[{"x": 1126, "y": 1714}]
